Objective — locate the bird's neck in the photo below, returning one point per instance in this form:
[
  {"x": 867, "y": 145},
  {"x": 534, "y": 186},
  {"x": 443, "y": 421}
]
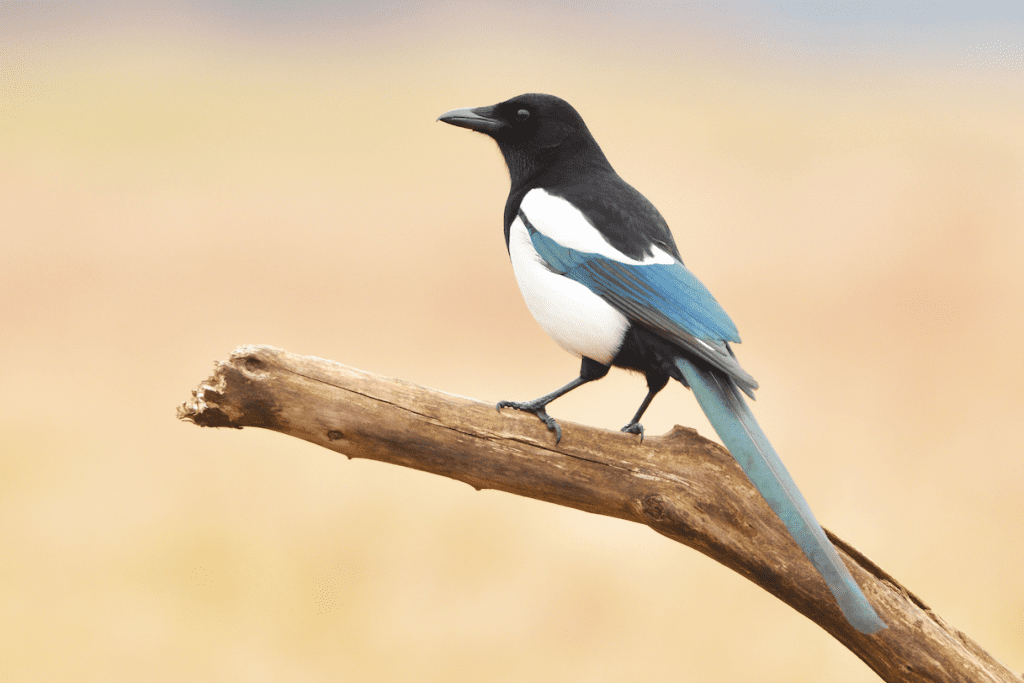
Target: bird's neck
[{"x": 559, "y": 165}]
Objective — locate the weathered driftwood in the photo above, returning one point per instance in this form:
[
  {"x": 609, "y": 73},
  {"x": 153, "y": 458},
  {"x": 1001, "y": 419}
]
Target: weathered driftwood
[{"x": 680, "y": 484}]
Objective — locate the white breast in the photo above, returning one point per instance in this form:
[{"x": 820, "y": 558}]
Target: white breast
[{"x": 580, "y": 321}]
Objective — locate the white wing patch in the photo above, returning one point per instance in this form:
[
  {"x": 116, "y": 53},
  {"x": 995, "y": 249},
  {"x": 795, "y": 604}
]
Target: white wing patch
[
  {"x": 563, "y": 222},
  {"x": 578, "y": 320}
]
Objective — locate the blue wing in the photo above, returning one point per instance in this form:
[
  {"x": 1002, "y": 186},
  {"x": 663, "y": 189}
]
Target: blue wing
[
  {"x": 663, "y": 297},
  {"x": 668, "y": 299}
]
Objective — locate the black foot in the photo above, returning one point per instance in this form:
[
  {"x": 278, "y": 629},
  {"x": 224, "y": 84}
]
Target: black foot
[
  {"x": 635, "y": 428},
  {"x": 537, "y": 408}
]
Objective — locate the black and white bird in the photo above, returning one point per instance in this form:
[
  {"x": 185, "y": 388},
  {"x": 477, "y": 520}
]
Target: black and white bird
[{"x": 600, "y": 271}]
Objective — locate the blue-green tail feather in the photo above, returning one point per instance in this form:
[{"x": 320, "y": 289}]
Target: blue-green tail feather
[{"x": 731, "y": 417}]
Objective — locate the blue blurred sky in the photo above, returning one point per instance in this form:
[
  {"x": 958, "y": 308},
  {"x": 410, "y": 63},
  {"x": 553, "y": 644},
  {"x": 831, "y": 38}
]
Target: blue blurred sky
[
  {"x": 849, "y": 13},
  {"x": 973, "y": 42},
  {"x": 854, "y": 16},
  {"x": 981, "y": 34}
]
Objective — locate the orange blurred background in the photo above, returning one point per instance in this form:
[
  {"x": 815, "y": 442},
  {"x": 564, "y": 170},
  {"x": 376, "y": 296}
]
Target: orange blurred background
[{"x": 176, "y": 181}]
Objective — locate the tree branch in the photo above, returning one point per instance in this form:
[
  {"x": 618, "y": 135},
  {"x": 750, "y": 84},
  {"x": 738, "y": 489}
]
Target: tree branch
[{"x": 680, "y": 484}]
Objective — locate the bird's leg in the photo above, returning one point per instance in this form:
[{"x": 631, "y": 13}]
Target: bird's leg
[
  {"x": 589, "y": 371},
  {"x": 537, "y": 406},
  {"x": 655, "y": 383}
]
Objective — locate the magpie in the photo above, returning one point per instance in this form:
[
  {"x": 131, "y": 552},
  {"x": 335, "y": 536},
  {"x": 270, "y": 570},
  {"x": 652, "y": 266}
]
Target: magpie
[{"x": 600, "y": 271}]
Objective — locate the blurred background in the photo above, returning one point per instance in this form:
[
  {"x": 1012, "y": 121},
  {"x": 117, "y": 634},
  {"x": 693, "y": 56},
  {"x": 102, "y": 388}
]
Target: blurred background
[{"x": 178, "y": 179}]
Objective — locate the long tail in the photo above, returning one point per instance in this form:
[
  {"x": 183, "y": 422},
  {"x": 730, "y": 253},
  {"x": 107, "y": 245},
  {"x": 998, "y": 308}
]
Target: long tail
[{"x": 729, "y": 415}]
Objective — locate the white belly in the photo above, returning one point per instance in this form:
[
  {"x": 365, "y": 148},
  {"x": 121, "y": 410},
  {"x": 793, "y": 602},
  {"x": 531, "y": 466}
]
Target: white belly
[{"x": 580, "y": 321}]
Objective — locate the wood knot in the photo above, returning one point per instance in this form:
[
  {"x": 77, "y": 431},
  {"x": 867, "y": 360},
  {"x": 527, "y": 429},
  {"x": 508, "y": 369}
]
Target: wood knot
[
  {"x": 682, "y": 433},
  {"x": 334, "y": 435},
  {"x": 656, "y": 508}
]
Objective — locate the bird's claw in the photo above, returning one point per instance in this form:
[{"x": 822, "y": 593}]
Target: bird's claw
[
  {"x": 551, "y": 424},
  {"x": 635, "y": 428},
  {"x": 538, "y": 410}
]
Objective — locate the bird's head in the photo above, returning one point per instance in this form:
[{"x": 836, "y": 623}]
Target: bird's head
[{"x": 533, "y": 132}]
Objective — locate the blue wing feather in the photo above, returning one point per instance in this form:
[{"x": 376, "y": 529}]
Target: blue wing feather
[
  {"x": 671, "y": 289},
  {"x": 663, "y": 297}
]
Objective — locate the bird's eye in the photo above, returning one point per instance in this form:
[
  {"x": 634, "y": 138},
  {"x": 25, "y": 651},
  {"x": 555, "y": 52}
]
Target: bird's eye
[{"x": 522, "y": 115}]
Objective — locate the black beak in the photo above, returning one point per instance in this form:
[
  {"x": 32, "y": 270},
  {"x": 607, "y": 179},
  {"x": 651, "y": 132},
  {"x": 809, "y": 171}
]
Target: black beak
[{"x": 480, "y": 119}]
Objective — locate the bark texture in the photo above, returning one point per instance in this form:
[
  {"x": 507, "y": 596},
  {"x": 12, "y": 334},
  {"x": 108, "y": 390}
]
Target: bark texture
[{"x": 681, "y": 485}]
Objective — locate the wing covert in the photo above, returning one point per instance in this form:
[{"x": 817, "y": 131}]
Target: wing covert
[{"x": 665, "y": 298}]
